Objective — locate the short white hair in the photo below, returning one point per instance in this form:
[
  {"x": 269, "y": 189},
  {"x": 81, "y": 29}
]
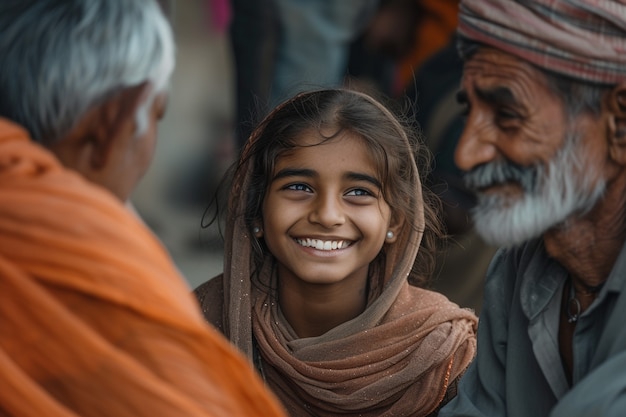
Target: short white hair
[{"x": 61, "y": 57}]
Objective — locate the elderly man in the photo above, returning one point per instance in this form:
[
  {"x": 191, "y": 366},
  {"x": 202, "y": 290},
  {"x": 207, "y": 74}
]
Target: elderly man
[
  {"x": 544, "y": 148},
  {"x": 94, "y": 318}
]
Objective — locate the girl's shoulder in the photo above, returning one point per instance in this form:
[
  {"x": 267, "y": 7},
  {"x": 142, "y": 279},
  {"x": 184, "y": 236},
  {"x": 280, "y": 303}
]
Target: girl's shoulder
[
  {"x": 436, "y": 302},
  {"x": 210, "y": 296},
  {"x": 427, "y": 295}
]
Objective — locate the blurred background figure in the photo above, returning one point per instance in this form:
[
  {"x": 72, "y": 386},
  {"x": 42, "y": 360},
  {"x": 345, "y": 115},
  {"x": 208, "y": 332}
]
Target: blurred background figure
[
  {"x": 398, "y": 39},
  {"x": 282, "y": 47}
]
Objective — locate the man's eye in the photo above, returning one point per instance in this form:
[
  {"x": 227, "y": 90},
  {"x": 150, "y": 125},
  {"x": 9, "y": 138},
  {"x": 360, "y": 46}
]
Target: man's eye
[
  {"x": 507, "y": 119},
  {"x": 506, "y": 114}
]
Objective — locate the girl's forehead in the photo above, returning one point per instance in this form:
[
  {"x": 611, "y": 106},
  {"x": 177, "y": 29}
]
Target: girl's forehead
[
  {"x": 311, "y": 138},
  {"x": 318, "y": 135},
  {"x": 345, "y": 151}
]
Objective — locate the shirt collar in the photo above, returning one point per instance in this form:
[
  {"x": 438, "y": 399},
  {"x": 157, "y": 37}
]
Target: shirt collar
[{"x": 542, "y": 276}]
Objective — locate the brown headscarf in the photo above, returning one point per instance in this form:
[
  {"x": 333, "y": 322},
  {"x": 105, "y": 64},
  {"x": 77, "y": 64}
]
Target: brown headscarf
[
  {"x": 95, "y": 320},
  {"x": 395, "y": 359}
]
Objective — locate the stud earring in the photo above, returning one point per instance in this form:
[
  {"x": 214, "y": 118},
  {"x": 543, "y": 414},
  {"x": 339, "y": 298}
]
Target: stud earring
[
  {"x": 256, "y": 230},
  {"x": 390, "y": 235}
]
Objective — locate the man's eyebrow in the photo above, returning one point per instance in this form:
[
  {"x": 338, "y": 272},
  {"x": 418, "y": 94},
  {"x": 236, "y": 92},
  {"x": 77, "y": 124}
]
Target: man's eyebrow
[{"x": 502, "y": 96}]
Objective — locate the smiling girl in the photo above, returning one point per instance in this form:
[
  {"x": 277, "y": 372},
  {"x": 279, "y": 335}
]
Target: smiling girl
[{"x": 328, "y": 240}]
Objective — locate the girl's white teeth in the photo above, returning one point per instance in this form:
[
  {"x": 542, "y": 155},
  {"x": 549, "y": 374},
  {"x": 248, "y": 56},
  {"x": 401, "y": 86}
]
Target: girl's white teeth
[{"x": 323, "y": 244}]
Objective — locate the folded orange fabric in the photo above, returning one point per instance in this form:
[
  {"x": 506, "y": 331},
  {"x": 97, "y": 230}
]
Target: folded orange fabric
[{"x": 95, "y": 320}]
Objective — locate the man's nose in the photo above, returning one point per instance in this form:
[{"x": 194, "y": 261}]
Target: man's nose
[{"x": 477, "y": 144}]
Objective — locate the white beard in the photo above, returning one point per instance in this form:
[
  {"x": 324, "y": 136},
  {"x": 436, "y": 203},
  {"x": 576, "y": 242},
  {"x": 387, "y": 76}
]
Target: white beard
[{"x": 551, "y": 194}]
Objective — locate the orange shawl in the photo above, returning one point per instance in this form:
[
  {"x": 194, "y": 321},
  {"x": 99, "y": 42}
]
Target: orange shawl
[{"x": 95, "y": 319}]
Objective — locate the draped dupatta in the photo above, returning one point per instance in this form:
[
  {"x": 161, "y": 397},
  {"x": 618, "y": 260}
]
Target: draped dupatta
[{"x": 396, "y": 358}]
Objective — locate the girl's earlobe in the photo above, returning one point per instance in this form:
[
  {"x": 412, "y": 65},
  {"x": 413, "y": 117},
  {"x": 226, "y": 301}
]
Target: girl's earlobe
[
  {"x": 392, "y": 234},
  {"x": 257, "y": 231},
  {"x": 397, "y": 221}
]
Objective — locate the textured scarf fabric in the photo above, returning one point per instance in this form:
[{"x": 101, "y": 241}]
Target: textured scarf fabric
[
  {"x": 583, "y": 39},
  {"x": 396, "y": 358},
  {"x": 95, "y": 320}
]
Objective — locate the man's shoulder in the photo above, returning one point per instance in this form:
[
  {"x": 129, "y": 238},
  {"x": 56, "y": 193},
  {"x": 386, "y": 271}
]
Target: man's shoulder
[
  {"x": 510, "y": 265},
  {"x": 517, "y": 258}
]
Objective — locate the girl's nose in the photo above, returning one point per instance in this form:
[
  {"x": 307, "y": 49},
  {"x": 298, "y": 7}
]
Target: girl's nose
[
  {"x": 327, "y": 211},
  {"x": 477, "y": 144}
]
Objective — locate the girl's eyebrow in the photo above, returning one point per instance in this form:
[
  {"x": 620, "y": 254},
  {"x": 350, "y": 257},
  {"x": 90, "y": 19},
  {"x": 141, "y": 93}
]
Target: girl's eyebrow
[
  {"x": 294, "y": 172},
  {"x": 357, "y": 176},
  {"x": 309, "y": 173}
]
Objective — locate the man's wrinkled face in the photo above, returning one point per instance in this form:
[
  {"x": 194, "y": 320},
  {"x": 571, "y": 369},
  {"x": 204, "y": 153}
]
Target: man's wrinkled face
[{"x": 530, "y": 165}]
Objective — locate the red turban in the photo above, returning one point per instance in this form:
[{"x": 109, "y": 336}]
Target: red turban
[{"x": 582, "y": 39}]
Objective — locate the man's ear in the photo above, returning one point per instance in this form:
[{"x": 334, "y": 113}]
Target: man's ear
[
  {"x": 617, "y": 124},
  {"x": 114, "y": 121}
]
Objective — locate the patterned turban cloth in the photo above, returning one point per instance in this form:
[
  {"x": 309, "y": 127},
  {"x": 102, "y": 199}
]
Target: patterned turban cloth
[{"x": 582, "y": 39}]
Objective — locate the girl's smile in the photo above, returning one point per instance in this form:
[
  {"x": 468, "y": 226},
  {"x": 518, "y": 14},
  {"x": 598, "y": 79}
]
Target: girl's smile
[{"x": 321, "y": 244}]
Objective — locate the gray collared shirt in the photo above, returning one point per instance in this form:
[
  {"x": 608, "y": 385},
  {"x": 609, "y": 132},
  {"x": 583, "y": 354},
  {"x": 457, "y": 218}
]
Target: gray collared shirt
[{"x": 518, "y": 369}]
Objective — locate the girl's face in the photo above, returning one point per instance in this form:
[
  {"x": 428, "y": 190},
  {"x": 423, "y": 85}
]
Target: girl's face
[{"x": 324, "y": 217}]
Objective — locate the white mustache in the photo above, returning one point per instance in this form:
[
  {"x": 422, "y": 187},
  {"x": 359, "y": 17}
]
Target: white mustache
[
  {"x": 502, "y": 171},
  {"x": 566, "y": 186}
]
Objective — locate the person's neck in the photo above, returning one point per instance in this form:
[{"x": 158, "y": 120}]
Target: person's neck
[
  {"x": 588, "y": 246},
  {"x": 314, "y": 309}
]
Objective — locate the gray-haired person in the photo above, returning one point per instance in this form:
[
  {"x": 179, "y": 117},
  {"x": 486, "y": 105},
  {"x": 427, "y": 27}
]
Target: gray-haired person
[{"x": 95, "y": 320}]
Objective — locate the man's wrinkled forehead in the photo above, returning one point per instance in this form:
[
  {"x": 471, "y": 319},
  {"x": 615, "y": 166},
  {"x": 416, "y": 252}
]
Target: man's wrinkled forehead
[{"x": 499, "y": 78}]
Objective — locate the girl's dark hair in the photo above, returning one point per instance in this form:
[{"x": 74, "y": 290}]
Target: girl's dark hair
[{"x": 339, "y": 111}]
